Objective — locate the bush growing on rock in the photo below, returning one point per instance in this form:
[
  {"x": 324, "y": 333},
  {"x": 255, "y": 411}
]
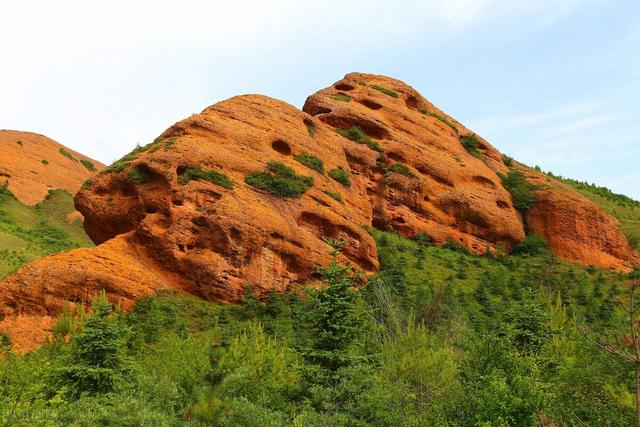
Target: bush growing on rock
[
  {"x": 280, "y": 180},
  {"x": 340, "y": 175}
]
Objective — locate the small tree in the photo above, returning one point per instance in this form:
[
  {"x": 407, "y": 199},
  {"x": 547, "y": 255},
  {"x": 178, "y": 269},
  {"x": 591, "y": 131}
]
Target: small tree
[
  {"x": 96, "y": 358},
  {"x": 333, "y": 317},
  {"x": 625, "y": 346}
]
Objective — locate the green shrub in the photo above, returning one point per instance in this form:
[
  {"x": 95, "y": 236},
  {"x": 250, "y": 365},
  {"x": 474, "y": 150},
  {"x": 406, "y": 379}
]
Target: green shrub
[
  {"x": 386, "y": 91},
  {"x": 341, "y": 97},
  {"x": 356, "y": 134},
  {"x": 471, "y": 144},
  {"x": 44, "y": 162},
  {"x": 67, "y": 154},
  {"x": 401, "y": 169},
  {"x": 531, "y": 245},
  {"x": 341, "y": 176},
  {"x": 137, "y": 176},
  {"x": 334, "y": 195},
  {"x": 280, "y": 180},
  {"x": 310, "y": 161},
  {"x": 97, "y": 357},
  {"x": 440, "y": 117},
  {"x": 211, "y": 175},
  {"x": 508, "y": 161},
  {"x": 521, "y": 191},
  {"x": 87, "y": 164}
]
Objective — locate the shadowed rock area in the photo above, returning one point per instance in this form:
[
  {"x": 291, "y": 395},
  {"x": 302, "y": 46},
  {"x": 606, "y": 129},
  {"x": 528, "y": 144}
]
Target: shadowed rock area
[{"x": 191, "y": 211}]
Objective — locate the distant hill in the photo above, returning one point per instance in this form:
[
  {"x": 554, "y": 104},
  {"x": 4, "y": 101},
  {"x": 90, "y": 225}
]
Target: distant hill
[
  {"x": 38, "y": 179},
  {"x": 32, "y": 164}
]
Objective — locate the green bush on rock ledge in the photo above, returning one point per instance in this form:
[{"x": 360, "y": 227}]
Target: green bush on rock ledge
[{"x": 280, "y": 180}]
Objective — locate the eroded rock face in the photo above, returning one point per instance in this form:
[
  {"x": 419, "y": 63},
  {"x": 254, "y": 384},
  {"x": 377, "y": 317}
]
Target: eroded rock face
[
  {"x": 156, "y": 229},
  {"x": 454, "y": 195},
  {"x": 577, "y": 229},
  {"x": 32, "y": 164},
  {"x": 222, "y": 239}
]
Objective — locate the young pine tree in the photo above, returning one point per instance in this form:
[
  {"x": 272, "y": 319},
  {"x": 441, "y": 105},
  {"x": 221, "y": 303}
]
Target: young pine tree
[
  {"x": 96, "y": 359},
  {"x": 333, "y": 319}
]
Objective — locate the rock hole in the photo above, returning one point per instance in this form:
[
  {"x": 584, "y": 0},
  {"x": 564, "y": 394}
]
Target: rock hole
[
  {"x": 372, "y": 105},
  {"x": 412, "y": 102},
  {"x": 177, "y": 202},
  {"x": 343, "y": 86},
  {"x": 181, "y": 247},
  {"x": 151, "y": 209},
  {"x": 200, "y": 221},
  {"x": 502, "y": 204},
  {"x": 281, "y": 147},
  {"x": 314, "y": 110},
  {"x": 369, "y": 127}
]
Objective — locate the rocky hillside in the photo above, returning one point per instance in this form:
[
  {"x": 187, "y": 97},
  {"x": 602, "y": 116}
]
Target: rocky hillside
[
  {"x": 245, "y": 193},
  {"x": 32, "y": 164}
]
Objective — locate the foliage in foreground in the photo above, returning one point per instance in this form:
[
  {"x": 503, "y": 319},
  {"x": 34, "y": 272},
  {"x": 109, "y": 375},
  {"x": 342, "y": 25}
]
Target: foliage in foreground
[{"x": 438, "y": 337}]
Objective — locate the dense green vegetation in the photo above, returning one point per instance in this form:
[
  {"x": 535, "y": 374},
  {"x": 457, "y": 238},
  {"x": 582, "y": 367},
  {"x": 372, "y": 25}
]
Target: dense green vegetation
[
  {"x": 342, "y": 97},
  {"x": 137, "y": 176},
  {"x": 340, "y": 175},
  {"x": 521, "y": 191},
  {"x": 390, "y": 92},
  {"x": 354, "y": 133},
  {"x": 334, "y": 195},
  {"x": 471, "y": 144},
  {"x": 211, "y": 175},
  {"x": 30, "y": 232},
  {"x": 280, "y": 180},
  {"x": 67, "y": 154},
  {"x": 440, "y": 117},
  {"x": 310, "y": 161},
  {"x": 87, "y": 164},
  {"x": 438, "y": 337},
  {"x": 402, "y": 169}
]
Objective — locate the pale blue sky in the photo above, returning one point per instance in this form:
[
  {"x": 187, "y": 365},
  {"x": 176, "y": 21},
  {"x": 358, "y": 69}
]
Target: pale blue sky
[{"x": 552, "y": 83}]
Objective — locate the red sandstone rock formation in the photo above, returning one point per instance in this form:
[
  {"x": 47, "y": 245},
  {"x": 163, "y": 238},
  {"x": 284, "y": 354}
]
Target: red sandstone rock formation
[
  {"x": 158, "y": 230},
  {"x": 33, "y": 164}
]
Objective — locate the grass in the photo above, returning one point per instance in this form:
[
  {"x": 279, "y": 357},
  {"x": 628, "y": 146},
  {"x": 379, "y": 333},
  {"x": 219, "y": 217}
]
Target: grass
[
  {"x": 280, "y": 180},
  {"x": 87, "y": 164},
  {"x": 30, "y": 232},
  {"x": 440, "y": 117},
  {"x": 471, "y": 144},
  {"x": 67, "y": 154},
  {"x": 195, "y": 173},
  {"x": 334, "y": 195},
  {"x": 402, "y": 169},
  {"x": 341, "y": 176},
  {"x": 355, "y": 133},
  {"x": 386, "y": 91},
  {"x": 521, "y": 191},
  {"x": 341, "y": 97},
  {"x": 310, "y": 161},
  {"x": 137, "y": 176}
]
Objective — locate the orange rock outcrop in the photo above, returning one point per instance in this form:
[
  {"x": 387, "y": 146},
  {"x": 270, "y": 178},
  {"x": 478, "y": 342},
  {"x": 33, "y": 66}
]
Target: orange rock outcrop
[
  {"x": 32, "y": 164},
  {"x": 156, "y": 229}
]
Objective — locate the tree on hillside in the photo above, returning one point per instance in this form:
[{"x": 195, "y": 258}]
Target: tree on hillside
[
  {"x": 333, "y": 317},
  {"x": 627, "y": 345},
  {"x": 97, "y": 356}
]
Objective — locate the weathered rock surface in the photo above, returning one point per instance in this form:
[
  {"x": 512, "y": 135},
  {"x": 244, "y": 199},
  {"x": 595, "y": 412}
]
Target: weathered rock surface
[
  {"x": 454, "y": 195},
  {"x": 577, "y": 229},
  {"x": 158, "y": 230},
  {"x": 32, "y": 164}
]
